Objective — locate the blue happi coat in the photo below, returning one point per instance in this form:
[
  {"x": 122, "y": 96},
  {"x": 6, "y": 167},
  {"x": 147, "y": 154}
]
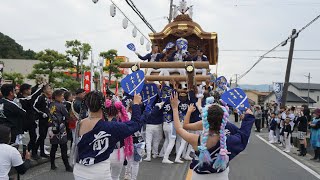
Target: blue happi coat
[
  {"x": 97, "y": 145},
  {"x": 237, "y": 140}
]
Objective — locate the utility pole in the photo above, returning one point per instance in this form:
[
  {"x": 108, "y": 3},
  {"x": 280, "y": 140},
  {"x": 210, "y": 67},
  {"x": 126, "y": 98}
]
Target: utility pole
[
  {"x": 236, "y": 80},
  {"x": 170, "y": 11},
  {"x": 288, "y": 70},
  {"x": 309, "y": 77}
]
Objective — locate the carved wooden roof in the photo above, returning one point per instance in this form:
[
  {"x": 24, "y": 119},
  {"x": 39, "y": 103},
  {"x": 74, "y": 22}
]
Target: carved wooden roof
[{"x": 183, "y": 26}]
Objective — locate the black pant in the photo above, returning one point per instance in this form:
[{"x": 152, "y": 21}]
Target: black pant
[
  {"x": 64, "y": 155},
  {"x": 43, "y": 130},
  {"x": 236, "y": 117},
  {"x": 262, "y": 122},
  {"x": 33, "y": 138},
  {"x": 258, "y": 124}
]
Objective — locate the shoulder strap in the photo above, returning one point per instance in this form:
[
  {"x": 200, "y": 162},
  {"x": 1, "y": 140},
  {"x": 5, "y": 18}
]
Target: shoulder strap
[{"x": 74, "y": 112}]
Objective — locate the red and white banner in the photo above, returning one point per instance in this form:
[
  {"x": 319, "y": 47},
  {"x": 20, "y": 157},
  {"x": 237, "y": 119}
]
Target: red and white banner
[
  {"x": 104, "y": 83},
  {"x": 87, "y": 81}
]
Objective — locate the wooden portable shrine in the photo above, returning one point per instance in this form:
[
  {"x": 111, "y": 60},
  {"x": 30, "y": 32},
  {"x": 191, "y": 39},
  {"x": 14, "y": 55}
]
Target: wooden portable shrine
[{"x": 182, "y": 27}]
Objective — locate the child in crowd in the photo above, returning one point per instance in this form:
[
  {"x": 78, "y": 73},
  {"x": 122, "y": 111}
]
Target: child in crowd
[
  {"x": 287, "y": 131},
  {"x": 273, "y": 127}
]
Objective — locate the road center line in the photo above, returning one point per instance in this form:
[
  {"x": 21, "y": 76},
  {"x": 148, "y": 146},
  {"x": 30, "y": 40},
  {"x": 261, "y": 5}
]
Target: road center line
[{"x": 291, "y": 158}]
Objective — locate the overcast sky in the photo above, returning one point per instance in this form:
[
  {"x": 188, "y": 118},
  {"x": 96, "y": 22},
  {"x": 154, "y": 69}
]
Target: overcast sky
[{"x": 240, "y": 24}]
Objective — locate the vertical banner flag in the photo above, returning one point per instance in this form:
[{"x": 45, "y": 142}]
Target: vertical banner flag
[
  {"x": 87, "y": 81},
  {"x": 149, "y": 93},
  {"x": 133, "y": 83},
  {"x": 104, "y": 83},
  {"x": 278, "y": 89},
  {"x": 236, "y": 98}
]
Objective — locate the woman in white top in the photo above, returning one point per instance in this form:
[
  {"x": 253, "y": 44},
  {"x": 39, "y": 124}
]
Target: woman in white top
[{"x": 99, "y": 137}]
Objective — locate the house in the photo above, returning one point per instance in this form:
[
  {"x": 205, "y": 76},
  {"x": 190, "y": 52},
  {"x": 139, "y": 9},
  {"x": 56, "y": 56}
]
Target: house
[
  {"x": 298, "y": 95},
  {"x": 256, "y": 97}
]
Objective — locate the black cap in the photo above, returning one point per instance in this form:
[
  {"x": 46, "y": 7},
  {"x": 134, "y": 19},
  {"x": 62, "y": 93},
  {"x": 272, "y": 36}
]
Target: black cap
[
  {"x": 79, "y": 91},
  {"x": 24, "y": 87}
]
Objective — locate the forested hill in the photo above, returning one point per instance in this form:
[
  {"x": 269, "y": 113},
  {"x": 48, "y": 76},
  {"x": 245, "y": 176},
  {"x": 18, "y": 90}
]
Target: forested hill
[{"x": 9, "y": 49}]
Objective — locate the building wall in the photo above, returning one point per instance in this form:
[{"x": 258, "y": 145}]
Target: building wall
[
  {"x": 23, "y": 66},
  {"x": 252, "y": 96},
  {"x": 273, "y": 98},
  {"x": 315, "y": 95}
]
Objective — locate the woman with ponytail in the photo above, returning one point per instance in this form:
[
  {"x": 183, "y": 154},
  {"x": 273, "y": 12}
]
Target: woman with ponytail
[
  {"x": 98, "y": 137},
  {"x": 214, "y": 147},
  {"x": 116, "y": 112}
]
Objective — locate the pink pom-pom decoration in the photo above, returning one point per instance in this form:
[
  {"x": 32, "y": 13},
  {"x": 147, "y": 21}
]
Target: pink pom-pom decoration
[
  {"x": 118, "y": 105},
  {"x": 108, "y": 103}
]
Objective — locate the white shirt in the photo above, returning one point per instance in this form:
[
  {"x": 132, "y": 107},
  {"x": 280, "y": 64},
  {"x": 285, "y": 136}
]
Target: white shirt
[{"x": 9, "y": 157}]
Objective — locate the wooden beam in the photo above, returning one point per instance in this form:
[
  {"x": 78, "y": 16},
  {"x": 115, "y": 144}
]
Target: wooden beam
[
  {"x": 175, "y": 77},
  {"x": 197, "y": 65}
]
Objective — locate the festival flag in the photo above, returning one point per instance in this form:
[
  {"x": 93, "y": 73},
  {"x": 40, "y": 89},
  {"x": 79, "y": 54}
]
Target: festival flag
[
  {"x": 133, "y": 83},
  {"x": 149, "y": 93},
  {"x": 222, "y": 82},
  {"x": 236, "y": 98},
  {"x": 87, "y": 81},
  {"x": 278, "y": 89},
  {"x": 104, "y": 88}
]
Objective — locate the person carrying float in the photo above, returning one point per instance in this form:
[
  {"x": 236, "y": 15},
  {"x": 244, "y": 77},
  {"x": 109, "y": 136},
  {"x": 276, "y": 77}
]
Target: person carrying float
[
  {"x": 153, "y": 56},
  {"x": 214, "y": 147},
  {"x": 181, "y": 54}
]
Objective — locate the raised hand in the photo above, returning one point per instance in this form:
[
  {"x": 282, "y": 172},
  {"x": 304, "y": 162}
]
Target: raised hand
[
  {"x": 174, "y": 100},
  {"x": 248, "y": 111},
  {"x": 191, "y": 108},
  {"x": 137, "y": 99}
]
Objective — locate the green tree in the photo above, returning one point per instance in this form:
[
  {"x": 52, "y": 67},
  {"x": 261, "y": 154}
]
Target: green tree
[
  {"x": 69, "y": 83},
  {"x": 52, "y": 64},
  {"x": 113, "y": 67},
  {"x": 29, "y": 54},
  {"x": 16, "y": 78},
  {"x": 75, "y": 47}
]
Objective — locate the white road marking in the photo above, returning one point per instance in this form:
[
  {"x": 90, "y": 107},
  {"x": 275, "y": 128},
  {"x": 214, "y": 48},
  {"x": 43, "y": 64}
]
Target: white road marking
[{"x": 291, "y": 158}]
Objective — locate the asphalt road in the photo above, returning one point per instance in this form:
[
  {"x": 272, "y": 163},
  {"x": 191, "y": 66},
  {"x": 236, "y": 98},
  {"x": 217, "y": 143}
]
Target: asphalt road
[{"x": 258, "y": 162}]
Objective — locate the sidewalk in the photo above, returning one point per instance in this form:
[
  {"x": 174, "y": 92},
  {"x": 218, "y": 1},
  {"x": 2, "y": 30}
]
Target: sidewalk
[{"x": 314, "y": 165}]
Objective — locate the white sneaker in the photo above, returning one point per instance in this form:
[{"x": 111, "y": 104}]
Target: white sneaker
[
  {"x": 287, "y": 151},
  {"x": 167, "y": 161},
  {"x": 46, "y": 152},
  {"x": 46, "y": 147},
  {"x": 188, "y": 158},
  {"x": 127, "y": 176},
  {"x": 178, "y": 161},
  {"x": 147, "y": 159},
  {"x": 154, "y": 156}
]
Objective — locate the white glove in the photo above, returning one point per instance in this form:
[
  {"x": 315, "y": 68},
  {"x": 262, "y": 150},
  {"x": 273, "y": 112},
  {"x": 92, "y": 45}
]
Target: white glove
[
  {"x": 44, "y": 115},
  {"x": 50, "y": 133},
  {"x": 200, "y": 92},
  {"x": 160, "y": 105},
  {"x": 164, "y": 51}
]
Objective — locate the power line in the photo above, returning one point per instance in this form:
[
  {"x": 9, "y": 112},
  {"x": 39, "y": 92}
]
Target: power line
[
  {"x": 136, "y": 10},
  {"x": 283, "y": 43},
  {"x": 82, "y": 33}
]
